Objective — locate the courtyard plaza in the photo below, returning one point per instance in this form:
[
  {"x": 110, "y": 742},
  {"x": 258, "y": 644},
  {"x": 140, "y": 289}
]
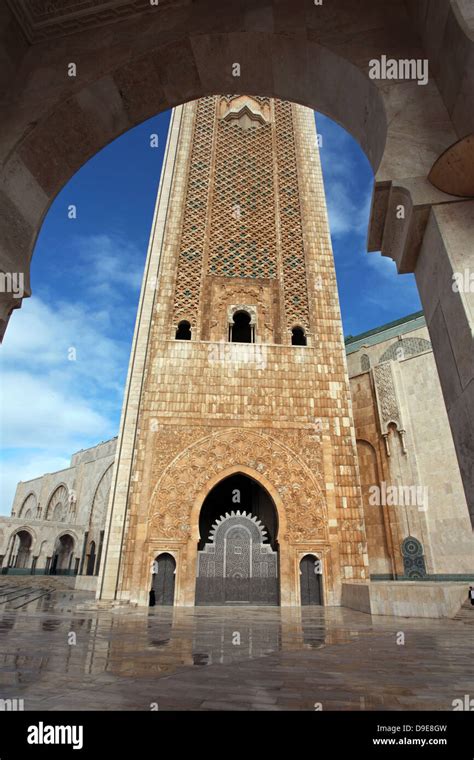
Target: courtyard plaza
[{"x": 58, "y": 651}]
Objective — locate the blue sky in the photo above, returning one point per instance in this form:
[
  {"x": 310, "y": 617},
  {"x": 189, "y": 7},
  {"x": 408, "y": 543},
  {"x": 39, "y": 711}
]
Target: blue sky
[{"x": 86, "y": 275}]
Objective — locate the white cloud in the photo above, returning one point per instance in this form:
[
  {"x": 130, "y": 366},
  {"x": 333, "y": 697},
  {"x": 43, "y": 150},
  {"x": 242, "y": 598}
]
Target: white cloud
[
  {"x": 389, "y": 286},
  {"x": 52, "y": 405},
  {"x": 108, "y": 266},
  {"x": 348, "y": 210},
  {"x": 39, "y": 413}
]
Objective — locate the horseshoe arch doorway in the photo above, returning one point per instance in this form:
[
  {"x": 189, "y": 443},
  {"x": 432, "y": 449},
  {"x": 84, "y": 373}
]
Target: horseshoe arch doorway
[{"x": 238, "y": 552}]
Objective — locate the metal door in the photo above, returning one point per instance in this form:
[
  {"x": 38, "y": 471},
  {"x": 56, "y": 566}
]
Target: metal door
[
  {"x": 163, "y": 579},
  {"x": 310, "y": 580}
]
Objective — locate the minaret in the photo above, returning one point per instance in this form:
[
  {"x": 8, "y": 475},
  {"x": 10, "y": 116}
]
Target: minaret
[{"x": 236, "y": 477}]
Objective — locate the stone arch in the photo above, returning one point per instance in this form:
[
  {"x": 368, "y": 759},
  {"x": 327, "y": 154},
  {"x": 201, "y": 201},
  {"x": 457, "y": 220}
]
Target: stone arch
[
  {"x": 156, "y": 75},
  {"x": 175, "y": 58},
  {"x": 26, "y": 527},
  {"x": 65, "y": 546},
  {"x": 29, "y": 505},
  {"x": 181, "y": 490},
  {"x": 162, "y": 590},
  {"x": 298, "y": 336},
  {"x": 58, "y": 499},
  {"x": 21, "y": 543},
  {"x": 268, "y": 516},
  {"x": 99, "y": 504},
  {"x": 91, "y": 556},
  {"x": 69, "y": 532},
  {"x": 160, "y": 58},
  {"x": 183, "y": 330},
  {"x": 407, "y": 346}
]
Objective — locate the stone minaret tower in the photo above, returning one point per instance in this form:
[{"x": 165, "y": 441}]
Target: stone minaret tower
[{"x": 237, "y": 398}]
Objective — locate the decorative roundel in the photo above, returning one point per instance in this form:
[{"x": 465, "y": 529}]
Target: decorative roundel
[{"x": 411, "y": 547}]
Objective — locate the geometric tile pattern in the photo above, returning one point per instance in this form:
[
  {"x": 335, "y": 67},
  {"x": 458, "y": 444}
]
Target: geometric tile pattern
[
  {"x": 242, "y": 236},
  {"x": 193, "y": 237},
  {"x": 291, "y": 232},
  {"x": 231, "y": 215}
]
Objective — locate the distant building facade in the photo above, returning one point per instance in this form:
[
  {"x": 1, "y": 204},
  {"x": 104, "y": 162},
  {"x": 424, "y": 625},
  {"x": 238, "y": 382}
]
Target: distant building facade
[
  {"x": 57, "y": 520},
  {"x": 416, "y": 516}
]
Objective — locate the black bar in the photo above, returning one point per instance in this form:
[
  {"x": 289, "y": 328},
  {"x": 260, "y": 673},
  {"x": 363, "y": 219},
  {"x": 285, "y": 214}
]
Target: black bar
[{"x": 363, "y": 734}]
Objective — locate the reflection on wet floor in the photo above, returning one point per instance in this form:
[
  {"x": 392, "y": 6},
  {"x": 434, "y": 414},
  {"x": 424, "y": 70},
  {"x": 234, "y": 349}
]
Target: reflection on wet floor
[{"x": 55, "y": 653}]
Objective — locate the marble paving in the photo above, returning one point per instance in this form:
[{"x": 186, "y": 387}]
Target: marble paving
[{"x": 59, "y": 653}]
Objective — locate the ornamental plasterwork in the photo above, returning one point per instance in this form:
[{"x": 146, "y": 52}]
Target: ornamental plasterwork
[
  {"x": 233, "y": 309},
  {"x": 387, "y": 403},
  {"x": 186, "y": 477},
  {"x": 41, "y": 19}
]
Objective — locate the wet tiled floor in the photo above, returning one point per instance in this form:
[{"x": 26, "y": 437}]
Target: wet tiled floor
[{"x": 56, "y": 654}]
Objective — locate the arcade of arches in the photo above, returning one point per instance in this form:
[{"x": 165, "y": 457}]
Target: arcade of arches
[{"x": 57, "y": 521}]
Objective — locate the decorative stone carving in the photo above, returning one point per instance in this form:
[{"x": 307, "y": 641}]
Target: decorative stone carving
[
  {"x": 58, "y": 504},
  {"x": 186, "y": 477},
  {"x": 387, "y": 403},
  {"x": 29, "y": 505},
  {"x": 404, "y": 348},
  {"x": 236, "y": 564},
  {"x": 247, "y": 112},
  {"x": 42, "y": 19},
  {"x": 251, "y": 311}
]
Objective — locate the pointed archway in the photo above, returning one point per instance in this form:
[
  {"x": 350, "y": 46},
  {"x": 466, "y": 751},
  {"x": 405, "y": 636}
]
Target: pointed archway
[{"x": 237, "y": 560}]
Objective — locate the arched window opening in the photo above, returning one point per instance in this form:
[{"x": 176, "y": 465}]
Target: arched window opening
[
  {"x": 63, "y": 555},
  {"x": 364, "y": 363},
  {"x": 241, "y": 331},
  {"x": 183, "y": 331},
  {"x": 298, "y": 337},
  {"x": 21, "y": 549}
]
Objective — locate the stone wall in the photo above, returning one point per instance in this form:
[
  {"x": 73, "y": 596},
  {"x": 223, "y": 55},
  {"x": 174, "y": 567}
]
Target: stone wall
[
  {"x": 69, "y": 502},
  {"x": 404, "y": 439}
]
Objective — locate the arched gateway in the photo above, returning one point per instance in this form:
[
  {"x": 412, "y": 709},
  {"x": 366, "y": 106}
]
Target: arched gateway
[{"x": 238, "y": 563}]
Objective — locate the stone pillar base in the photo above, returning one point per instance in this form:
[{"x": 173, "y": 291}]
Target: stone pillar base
[{"x": 406, "y": 598}]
